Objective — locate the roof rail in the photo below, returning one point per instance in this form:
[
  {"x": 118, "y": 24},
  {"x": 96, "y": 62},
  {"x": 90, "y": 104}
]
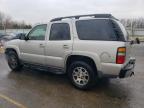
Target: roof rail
[{"x": 78, "y": 16}]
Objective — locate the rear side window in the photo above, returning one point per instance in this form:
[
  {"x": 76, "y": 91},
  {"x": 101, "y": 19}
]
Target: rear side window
[
  {"x": 60, "y": 31},
  {"x": 96, "y": 29},
  {"x": 118, "y": 31}
]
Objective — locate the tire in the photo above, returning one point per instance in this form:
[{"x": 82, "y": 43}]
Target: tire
[
  {"x": 82, "y": 75},
  {"x": 13, "y": 61}
]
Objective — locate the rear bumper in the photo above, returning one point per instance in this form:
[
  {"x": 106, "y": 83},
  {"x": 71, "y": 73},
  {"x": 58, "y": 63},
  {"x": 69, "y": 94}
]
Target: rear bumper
[
  {"x": 112, "y": 70},
  {"x": 128, "y": 69}
]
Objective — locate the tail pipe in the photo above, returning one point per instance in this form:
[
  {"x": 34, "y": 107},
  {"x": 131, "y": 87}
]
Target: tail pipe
[{"x": 132, "y": 74}]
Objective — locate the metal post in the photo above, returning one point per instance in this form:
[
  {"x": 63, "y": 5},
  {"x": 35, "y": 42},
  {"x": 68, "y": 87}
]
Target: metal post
[
  {"x": 23, "y": 26},
  {"x": 4, "y": 28},
  {"x": 132, "y": 28}
]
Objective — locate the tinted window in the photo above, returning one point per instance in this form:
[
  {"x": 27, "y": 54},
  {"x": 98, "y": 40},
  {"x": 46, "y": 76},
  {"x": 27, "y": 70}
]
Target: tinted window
[
  {"x": 38, "y": 32},
  {"x": 96, "y": 29},
  {"x": 60, "y": 31},
  {"x": 118, "y": 31}
]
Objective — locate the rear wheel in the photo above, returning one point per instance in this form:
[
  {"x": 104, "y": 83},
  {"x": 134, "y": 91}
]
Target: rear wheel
[
  {"x": 13, "y": 61},
  {"x": 82, "y": 75}
]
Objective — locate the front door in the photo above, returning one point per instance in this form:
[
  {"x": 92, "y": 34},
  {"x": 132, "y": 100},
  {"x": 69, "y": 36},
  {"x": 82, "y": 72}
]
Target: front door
[{"x": 32, "y": 50}]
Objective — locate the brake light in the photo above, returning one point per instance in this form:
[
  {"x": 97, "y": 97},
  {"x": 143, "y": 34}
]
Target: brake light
[{"x": 121, "y": 53}]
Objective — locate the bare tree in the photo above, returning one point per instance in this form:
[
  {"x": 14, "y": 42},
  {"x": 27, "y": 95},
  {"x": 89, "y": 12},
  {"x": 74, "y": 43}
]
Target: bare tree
[
  {"x": 135, "y": 23},
  {"x": 2, "y": 16},
  {"x": 6, "y": 22}
]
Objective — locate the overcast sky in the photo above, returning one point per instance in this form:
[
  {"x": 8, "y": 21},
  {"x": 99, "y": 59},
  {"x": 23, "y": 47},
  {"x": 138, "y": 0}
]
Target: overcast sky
[{"x": 35, "y": 11}]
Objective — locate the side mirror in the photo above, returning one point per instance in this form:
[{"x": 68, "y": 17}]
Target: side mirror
[
  {"x": 137, "y": 40},
  {"x": 26, "y": 38},
  {"x": 22, "y": 37},
  {"x": 132, "y": 42}
]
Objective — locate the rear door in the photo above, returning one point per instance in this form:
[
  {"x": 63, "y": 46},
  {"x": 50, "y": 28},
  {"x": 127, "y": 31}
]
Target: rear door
[{"x": 59, "y": 44}]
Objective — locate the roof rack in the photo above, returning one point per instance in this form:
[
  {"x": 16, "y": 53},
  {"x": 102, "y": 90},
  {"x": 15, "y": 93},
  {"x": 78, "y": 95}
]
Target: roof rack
[{"x": 91, "y": 15}]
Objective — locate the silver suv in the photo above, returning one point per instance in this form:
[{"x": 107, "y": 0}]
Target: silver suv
[{"x": 86, "y": 47}]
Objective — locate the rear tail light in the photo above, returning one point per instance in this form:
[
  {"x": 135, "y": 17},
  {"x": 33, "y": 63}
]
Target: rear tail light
[{"x": 121, "y": 53}]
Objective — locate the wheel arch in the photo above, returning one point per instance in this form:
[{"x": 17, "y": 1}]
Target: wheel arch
[
  {"x": 12, "y": 49},
  {"x": 91, "y": 60}
]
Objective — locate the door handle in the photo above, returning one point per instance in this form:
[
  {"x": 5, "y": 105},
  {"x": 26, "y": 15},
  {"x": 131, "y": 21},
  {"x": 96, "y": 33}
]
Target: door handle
[
  {"x": 42, "y": 45},
  {"x": 65, "y": 46}
]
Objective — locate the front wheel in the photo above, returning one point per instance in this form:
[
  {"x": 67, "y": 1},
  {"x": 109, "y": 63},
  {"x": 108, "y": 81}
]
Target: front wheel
[
  {"x": 13, "y": 61},
  {"x": 82, "y": 75}
]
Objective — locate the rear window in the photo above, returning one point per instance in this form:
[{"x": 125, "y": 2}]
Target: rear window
[{"x": 98, "y": 29}]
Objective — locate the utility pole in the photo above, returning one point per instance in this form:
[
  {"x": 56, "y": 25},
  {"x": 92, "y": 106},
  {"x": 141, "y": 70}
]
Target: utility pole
[
  {"x": 132, "y": 28},
  {"x": 4, "y": 25},
  {"x": 23, "y": 26}
]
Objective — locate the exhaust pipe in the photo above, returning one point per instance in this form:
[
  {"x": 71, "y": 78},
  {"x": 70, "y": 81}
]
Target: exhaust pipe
[{"x": 132, "y": 74}]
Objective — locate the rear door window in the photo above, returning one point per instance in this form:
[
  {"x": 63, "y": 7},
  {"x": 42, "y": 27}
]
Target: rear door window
[
  {"x": 96, "y": 29},
  {"x": 60, "y": 31}
]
